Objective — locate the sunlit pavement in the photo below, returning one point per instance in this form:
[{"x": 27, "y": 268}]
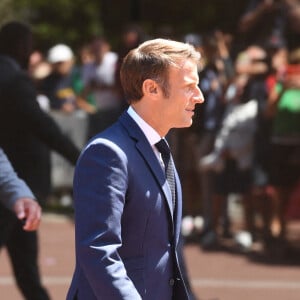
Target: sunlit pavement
[{"x": 223, "y": 274}]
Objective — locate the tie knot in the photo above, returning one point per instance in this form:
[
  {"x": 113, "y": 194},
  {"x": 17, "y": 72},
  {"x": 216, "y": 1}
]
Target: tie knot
[{"x": 163, "y": 147}]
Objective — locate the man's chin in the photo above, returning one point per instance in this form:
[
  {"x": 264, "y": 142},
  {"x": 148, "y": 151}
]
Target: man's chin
[{"x": 185, "y": 125}]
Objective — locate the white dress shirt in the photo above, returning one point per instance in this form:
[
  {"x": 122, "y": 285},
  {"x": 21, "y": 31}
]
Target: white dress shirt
[{"x": 151, "y": 134}]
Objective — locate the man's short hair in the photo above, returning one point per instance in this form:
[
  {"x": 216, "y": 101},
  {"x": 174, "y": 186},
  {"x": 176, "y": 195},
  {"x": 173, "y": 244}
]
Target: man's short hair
[{"x": 152, "y": 60}]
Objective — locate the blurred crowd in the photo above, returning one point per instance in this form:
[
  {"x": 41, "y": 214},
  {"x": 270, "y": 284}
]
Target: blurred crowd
[{"x": 245, "y": 139}]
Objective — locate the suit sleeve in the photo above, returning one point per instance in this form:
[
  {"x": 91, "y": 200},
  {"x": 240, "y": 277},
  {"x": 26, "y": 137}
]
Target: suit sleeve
[
  {"x": 100, "y": 186},
  {"x": 38, "y": 121},
  {"x": 11, "y": 186}
]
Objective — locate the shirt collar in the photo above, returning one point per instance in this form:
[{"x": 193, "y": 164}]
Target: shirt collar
[{"x": 151, "y": 134}]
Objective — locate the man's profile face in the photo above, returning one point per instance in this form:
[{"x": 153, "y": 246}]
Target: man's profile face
[{"x": 178, "y": 108}]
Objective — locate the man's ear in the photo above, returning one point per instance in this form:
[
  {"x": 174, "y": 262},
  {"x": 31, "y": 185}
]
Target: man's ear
[{"x": 150, "y": 87}]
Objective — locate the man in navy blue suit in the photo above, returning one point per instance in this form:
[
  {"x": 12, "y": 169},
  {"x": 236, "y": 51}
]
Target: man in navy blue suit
[
  {"x": 16, "y": 195},
  {"x": 127, "y": 220}
]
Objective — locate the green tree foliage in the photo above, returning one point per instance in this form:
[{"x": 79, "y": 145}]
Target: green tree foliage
[
  {"x": 57, "y": 21},
  {"x": 74, "y": 22},
  {"x": 7, "y": 11}
]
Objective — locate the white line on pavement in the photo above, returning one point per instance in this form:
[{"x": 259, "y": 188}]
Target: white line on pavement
[
  {"x": 246, "y": 284},
  {"x": 47, "y": 280}
]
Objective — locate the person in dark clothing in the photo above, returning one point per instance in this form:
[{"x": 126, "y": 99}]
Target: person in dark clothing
[
  {"x": 261, "y": 20},
  {"x": 27, "y": 134},
  {"x": 268, "y": 20},
  {"x": 213, "y": 79}
]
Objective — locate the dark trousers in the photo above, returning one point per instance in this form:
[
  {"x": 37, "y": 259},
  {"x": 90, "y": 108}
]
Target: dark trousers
[{"x": 22, "y": 248}]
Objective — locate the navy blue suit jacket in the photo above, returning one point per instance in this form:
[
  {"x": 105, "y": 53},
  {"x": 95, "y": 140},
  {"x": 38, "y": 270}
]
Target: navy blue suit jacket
[{"x": 126, "y": 232}]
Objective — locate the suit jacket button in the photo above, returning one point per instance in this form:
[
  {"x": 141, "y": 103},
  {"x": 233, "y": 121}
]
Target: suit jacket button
[{"x": 172, "y": 281}]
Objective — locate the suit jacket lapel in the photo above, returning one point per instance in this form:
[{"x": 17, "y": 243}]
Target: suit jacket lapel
[{"x": 146, "y": 151}]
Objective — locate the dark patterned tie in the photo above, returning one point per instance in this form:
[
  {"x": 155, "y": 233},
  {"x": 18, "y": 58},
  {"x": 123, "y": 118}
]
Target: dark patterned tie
[{"x": 164, "y": 149}]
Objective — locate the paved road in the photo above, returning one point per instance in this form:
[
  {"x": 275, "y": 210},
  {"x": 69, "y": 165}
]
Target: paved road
[{"x": 225, "y": 274}]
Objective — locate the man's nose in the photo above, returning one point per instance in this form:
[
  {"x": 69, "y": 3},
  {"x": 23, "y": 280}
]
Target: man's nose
[{"x": 198, "y": 97}]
